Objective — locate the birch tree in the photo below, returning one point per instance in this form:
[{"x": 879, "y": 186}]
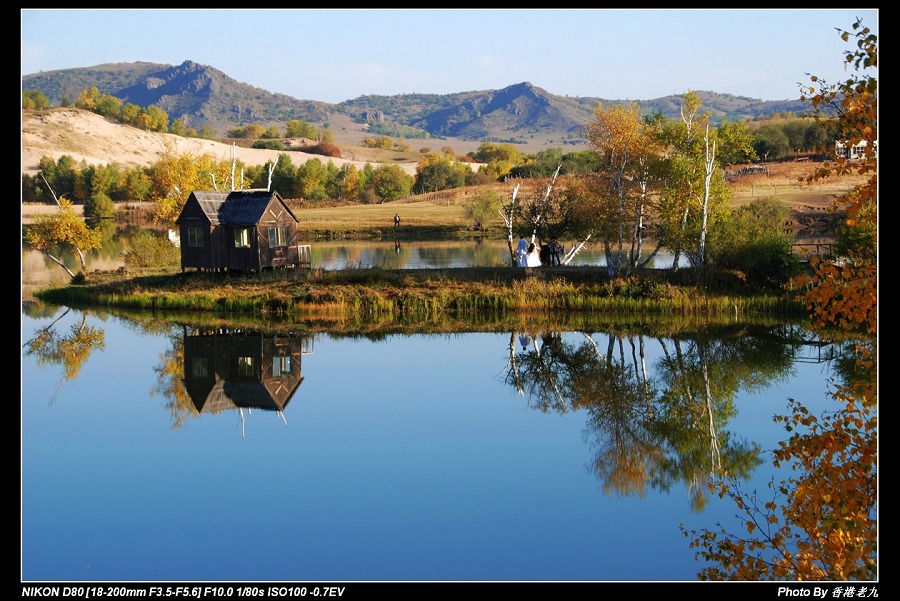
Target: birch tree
[
  {"x": 507, "y": 212},
  {"x": 620, "y": 135},
  {"x": 694, "y": 193}
]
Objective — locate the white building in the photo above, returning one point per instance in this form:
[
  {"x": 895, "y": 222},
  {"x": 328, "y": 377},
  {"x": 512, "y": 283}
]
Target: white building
[{"x": 857, "y": 151}]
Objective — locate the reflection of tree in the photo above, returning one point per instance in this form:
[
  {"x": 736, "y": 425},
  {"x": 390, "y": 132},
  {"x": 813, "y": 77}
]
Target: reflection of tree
[
  {"x": 647, "y": 431},
  {"x": 619, "y": 404},
  {"x": 170, "y": 383},
  {"x": 701, "y": 378},
  {"x": 70, "y": 350}
]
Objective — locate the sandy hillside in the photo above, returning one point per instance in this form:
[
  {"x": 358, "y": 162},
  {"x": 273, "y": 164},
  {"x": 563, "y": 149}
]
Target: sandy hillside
[{"x": 94, "y": 139}]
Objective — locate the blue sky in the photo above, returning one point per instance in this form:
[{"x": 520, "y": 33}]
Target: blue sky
[{"x": 336, "y": 55}]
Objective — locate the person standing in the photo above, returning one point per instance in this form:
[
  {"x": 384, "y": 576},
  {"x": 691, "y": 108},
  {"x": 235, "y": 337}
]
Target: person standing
[
  {"x": 522, "y": 251},
  {"x": 555, "y": 250},
  {"x": 533, "y": 258},
  {"x": 396, "y": 219}
]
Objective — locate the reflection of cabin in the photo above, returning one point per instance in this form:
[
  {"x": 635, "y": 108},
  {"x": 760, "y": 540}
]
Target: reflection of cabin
[
  {"x": 225, "y": 370},
  {"x": 237, "y": 230}
]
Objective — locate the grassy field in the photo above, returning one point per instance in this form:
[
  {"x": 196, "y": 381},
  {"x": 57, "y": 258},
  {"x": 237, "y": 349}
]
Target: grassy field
[{"x": 440, "y": 215}]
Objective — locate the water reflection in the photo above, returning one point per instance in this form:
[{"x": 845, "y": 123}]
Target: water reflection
[
  {"x": 38, "y": 269},
  {"x": 228, "y": 370},
  {"x": 457, "y": 455},
  {"x": 651, "y": 429}
]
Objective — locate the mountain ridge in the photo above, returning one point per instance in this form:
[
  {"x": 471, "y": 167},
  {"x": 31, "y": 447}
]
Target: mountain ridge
[{"x": 521, "y": 113}]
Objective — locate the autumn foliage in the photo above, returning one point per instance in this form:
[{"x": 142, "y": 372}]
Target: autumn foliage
[
  {"x": 324, "y": 149},
  {"x": 821, "y": 523}
]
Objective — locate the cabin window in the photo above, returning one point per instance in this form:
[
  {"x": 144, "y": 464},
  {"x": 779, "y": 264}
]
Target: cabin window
[
  {"x": 242, "y": 237},
  {"x": 281, "y": 366},
  {"x": 278, "y": 236},
  {"x": 195, "y": 236},
  {"x": 245, "y": 367},
  {"x": 200, "y": 367}
]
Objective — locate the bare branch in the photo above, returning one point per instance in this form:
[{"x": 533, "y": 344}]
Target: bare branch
[
  {"x": 271, "y": 171},
  {"x": 55, "y": 199}
]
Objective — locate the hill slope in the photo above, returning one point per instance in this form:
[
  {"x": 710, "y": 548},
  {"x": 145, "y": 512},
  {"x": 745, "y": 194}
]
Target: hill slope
[{"x": 89, "y": 137}]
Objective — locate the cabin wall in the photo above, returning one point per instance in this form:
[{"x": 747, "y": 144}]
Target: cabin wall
[{"x": 276, "y": 215}]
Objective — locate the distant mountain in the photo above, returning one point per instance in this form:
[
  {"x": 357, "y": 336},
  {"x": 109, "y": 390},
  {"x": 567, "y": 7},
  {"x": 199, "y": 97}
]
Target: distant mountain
[{"x": 201, "y": 95}]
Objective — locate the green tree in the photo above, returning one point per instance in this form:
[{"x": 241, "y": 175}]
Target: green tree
[
  {"x": 390, "y": 182},
  {"x": 796, "y": 134},
  {"x": 300, "y": 129},
  {"x": 771, "y": 143},
  {"x": 816, "y": 139},
  {"x": 481, "y": 208},
  {"x": 439, "y": 172},
  {"x": 137, "y": 185},
  {"x": 366, "y": 184},
  {"x": 34, "y": 100},
  {"x": 131, "y": 113},
  {"x": 109, "y": 106},
  {"x": 311, "y": 180},
  {"x": 347, "y": 186},
  {"x": 99, "y": 206},
  {"x": 148, "y": 249},
  {"x": 178, "y": 128},
  {"x": 284, "y": 177},
  {"x": 271, "y": 134},
  {"x": 752, "y": 241},
  {"x": 693, "y": 194},
  {"x": 61, "y": 176},
  {"x": 735, "y": 143},
  {"x": 499, "y": 158},
  {"x": 102, "y": 179}
]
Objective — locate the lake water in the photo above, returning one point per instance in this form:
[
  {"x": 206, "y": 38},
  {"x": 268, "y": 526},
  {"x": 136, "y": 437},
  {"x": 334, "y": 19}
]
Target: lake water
[{"x": 162, "y": 451}]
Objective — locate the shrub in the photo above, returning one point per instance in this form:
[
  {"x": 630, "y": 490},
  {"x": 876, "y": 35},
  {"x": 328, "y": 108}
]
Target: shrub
[
  {"x": 269, "y": 145},
  {"x": 99, "y": 206},
  {"x": 147, "y": 249},
  {"x": 324, "y": 149},
  {"x": 753, "y": 240}
]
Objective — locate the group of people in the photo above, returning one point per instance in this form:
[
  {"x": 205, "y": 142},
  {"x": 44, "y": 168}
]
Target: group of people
[{"x": 528, "y": 255}]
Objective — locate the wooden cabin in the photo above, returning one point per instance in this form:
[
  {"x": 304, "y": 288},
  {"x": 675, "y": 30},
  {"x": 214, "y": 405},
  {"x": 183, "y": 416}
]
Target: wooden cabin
[{"x": 237, "y": 230}]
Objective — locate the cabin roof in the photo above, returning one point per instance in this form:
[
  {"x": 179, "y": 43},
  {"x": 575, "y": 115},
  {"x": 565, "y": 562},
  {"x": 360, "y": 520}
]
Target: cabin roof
[{"x": 236, "y": 207}]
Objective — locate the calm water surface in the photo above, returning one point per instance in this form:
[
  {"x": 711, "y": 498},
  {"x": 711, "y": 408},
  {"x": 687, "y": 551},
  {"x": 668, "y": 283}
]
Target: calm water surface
[
  {"x": 38, "y": 270},
  {"x": 162, "y": 456}
]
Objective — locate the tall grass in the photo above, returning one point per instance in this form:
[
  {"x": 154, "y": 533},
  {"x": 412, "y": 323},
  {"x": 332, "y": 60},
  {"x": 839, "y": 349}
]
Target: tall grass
[{"x": 379, "y": 294}]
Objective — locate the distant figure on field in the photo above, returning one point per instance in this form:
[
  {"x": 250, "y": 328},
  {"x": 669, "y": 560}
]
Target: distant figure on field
[{"x": 396, "y": 219}]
